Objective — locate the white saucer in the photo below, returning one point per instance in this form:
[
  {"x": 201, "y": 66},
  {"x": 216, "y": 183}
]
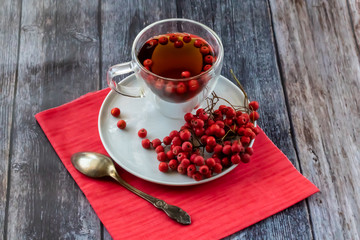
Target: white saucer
[{"x": 124, "y": 146}]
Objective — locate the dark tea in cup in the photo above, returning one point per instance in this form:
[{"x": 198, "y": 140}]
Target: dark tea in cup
[
  {"x": 176, "y": 63},
  {"x": 181, "y": 57}
]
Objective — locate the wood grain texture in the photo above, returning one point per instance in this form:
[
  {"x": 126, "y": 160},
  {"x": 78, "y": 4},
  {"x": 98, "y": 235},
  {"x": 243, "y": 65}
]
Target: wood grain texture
[
  {"x": 121, "y": 21},
  {"x": 354, "y": 13},
  {"x": 9, "y": 35},
  {"x": 298, "y": 58},
  {"x": 249, "y": 50},
  {"x": 58, "y": 62},
  {"x": 321, "y": 72},
  {"x": 245, "y": 28}
]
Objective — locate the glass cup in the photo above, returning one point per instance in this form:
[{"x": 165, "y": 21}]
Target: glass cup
[{"x": 173, "y": 97}]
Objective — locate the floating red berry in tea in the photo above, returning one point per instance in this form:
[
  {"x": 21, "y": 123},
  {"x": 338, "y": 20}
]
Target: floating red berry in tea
[
  {"x": 208, "y": 59},
  {"x": 207, "y": 67},
  {"x": 205, "y": 50},
  {"x": 178, "y": 44},
  {"x": 185, "y": 74},
  {"x": 163, "y": 40},
  {"x": 198, "y": 43},
  {"x": 187, "y": 39},
  {"x": 147, "y": 63},
  {"x": 152, "y": 43},
  {"x": 173, "y": 38}
]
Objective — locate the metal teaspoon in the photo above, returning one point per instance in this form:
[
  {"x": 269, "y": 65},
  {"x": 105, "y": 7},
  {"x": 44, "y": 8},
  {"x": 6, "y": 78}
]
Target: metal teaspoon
[{"x": 97, "y": 165}]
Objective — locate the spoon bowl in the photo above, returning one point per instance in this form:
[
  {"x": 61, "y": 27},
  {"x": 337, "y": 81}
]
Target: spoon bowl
[
  {"x": 97, "y": 165},
  {"x": 93, "y": 165}
]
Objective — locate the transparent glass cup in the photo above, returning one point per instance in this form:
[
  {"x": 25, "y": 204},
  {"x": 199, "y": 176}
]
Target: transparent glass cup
[{"x": 173, "y": 97}]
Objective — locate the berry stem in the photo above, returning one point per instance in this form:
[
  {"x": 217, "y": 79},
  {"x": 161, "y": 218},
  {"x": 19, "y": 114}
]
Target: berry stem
[{"x": 241, "y": 87}]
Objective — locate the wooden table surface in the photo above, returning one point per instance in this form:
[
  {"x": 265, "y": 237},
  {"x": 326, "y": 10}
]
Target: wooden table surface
[{"x": 299, "y": 59}]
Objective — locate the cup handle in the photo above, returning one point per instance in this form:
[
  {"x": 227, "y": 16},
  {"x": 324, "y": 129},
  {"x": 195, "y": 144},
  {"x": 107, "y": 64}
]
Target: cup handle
[{"x": 119, "y": 69}]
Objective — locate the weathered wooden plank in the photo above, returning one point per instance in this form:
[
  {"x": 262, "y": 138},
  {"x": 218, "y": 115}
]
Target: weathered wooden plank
[
  {"x": 58, "y": 62},
  {"x": 246, "y": 32},
  {"x": 9, "y": 35},
  {"x": 121, "y": 22},
  {"x": 320, "y": 66},
  {"x": 354, "y": 11}
]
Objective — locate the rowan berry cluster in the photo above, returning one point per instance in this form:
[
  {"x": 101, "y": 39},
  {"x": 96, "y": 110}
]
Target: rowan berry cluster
[{"x": 210, "y": 141}]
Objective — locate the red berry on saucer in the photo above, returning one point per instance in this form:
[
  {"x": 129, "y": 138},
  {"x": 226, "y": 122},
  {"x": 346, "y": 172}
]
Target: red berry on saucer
[
  {"x": 173, "y": 134},
  {"x": 181, "y": 169},
  {"x": 199, "y": 160},
  {"x": 217, "y": 168},
  {"x": 163, "y": 167},
  {"x": 235, "y": 159},
  {"x": 245, "y": 157},
  {"x": 142, "y": 133},
  {"x": 204, "y": 169},
  {"x": 170, "y": 154},
  {"x": 167, "y": 140},
  {"x": 115, "y": 112},
  {"x": 185, "y": 135},
  {"x": 187, "y": 146},
  {"x": 211, "y": 141},
  {"x": 191, "y": 169},
  {"x": 210, "y": 162},
  {"x": 254, "y": 116},
  {"x": 145, "y": 143},
  {"x": 161, "y": 156},
  {"x": 173, "y": 164},
  {"x": 254, "y": 105},
  {"x": 121, "y": 124},
  {"x": 188, "y": 117},
  {"x": 156, "y": 142},
  {"x": 159, "y": 149},
  {"x": 197, "y": 176},
  {"x": 249, "y": 150},
  {"x": 245, "y": 140}
]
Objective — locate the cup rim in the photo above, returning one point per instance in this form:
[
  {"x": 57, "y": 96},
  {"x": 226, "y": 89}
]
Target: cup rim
[{"x": 217, "y": 62}]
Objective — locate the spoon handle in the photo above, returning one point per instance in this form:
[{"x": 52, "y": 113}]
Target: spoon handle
[{"x": 172, "y": 211}]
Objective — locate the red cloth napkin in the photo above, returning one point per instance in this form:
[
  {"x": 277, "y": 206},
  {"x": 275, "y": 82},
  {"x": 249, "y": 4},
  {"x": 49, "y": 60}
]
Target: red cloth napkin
[{"x": 248, "y": 194}]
